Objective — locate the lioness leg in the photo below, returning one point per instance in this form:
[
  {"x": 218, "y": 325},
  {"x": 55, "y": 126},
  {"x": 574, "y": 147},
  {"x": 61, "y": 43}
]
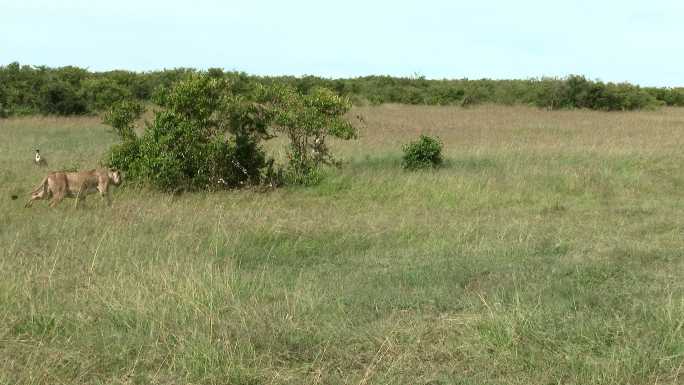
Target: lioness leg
[
  {"x": 35, "y": 197},
  {"x": 57, "y": 186},
  {"x": 41, "y": 193},
  {"x": 58, "y": 194},
  {"x": 56, "y": 198},
  {"x": 81, "y": 195},
  {"x": 105, "y": 194}
]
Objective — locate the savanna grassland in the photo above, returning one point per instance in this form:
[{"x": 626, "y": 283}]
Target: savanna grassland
[{"x": 548, "y": 249}]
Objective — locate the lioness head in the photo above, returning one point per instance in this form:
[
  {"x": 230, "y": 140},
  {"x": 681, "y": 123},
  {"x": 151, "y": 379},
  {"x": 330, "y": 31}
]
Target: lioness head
[{"x": 115, "y": 177}]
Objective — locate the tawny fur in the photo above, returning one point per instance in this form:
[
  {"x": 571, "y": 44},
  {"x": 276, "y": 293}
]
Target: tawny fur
[{"x": 59, "y": 184}]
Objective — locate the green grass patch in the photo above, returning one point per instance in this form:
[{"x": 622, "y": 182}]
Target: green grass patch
[{"x": 512, "y": 264}]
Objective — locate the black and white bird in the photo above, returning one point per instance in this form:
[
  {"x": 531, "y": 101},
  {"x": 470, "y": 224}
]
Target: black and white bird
[{"x": 39, "y": 160}]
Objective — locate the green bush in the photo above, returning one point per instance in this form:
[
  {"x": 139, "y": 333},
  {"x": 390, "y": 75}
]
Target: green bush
[
  {"x": 64, "y": 90},
  {"x": 208, "y": 130},
  {"x": 124, "y": 156},
  {"x": 578, "y": 92},
  {"x": 122, "y": 116},
  {"x": 203, "y": 137},
  {"x": 61, "y": 98},
  {"x": 103, "y": 93},
  {"x": 426, "y": 152},
  {"x": 307, "y": 120},
  {"x": 669, "y": 96},
  {"x": 4, "y": 110}
]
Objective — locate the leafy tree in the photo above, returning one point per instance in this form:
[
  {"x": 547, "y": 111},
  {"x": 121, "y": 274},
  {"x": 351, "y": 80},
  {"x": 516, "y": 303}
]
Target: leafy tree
[
  {"x": 61, "y": 98},
  {"x": 203, "y": 137},
  {"x": 208, "y": 130},
  {"x": 307, "y": 120},
  {"x": 103, "y": 93},
  {"x": 122, "y": 117},
  {"x": 4, "y": 110}
]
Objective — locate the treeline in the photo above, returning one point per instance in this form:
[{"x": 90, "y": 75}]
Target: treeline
[
  {"x": 565, "y": 93},
  {"x": 26, "y": 90}
]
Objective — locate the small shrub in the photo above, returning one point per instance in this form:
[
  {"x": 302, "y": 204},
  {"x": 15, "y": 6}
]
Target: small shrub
[
  {"x": 426, "y": 152},
  {"x": 300, "y": 171}
]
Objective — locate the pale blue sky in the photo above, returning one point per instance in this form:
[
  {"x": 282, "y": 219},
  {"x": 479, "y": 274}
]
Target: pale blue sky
[{"x": 637, "y": 41}]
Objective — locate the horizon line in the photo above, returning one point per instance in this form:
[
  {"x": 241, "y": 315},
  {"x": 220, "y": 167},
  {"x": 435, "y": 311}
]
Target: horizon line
[{"x": 414, "y": 76}]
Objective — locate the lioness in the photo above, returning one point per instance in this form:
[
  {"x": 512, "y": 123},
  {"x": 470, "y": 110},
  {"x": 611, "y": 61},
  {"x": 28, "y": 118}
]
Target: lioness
[{"x": 58, "y": 184}]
